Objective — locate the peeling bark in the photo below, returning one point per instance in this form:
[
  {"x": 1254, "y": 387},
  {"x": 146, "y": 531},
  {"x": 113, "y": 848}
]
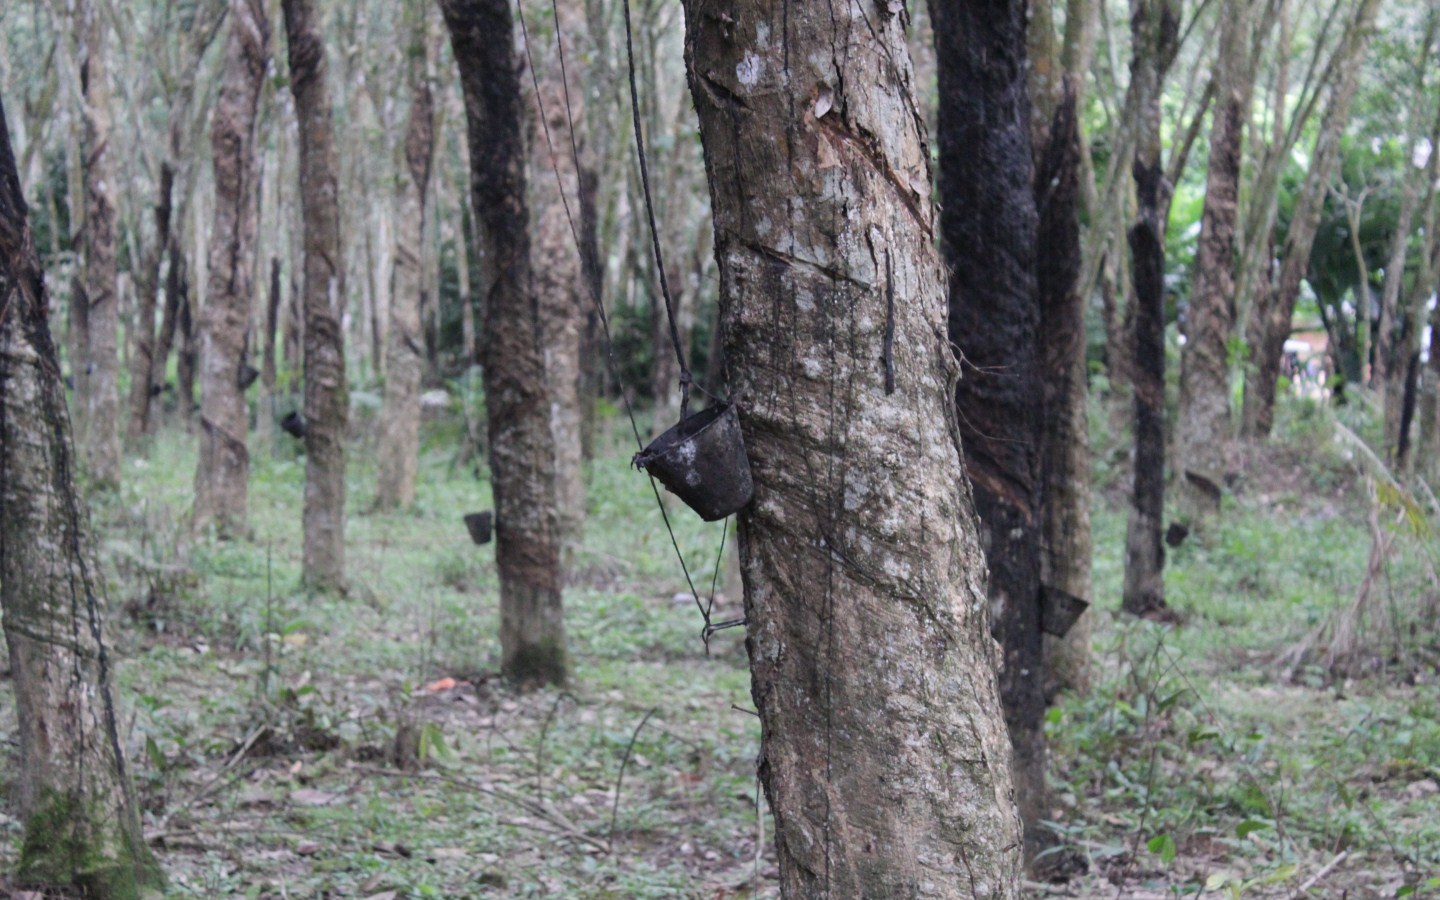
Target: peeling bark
[
  {"x": 82, "y": 828},
  {"x": 883, "y": 751},
  {"x": 326, "y": 395},
  {"x": 517, "y": 404},
  {"x": 222, "y": 475}
]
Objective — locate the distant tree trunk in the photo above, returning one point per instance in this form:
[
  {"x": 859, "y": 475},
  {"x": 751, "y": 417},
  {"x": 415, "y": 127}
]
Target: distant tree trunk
[
  {"x": 222, "y": 476},
  {"x": 99, "y": 375},
  {"x": 557, "y": 170},
  {"x": 187, "y": 360},
  {"x": 169, "y": 321},
  {"x": 883, "y": 752},
  {"x": 142, "y": 359},
  {"x": 517, "y": 404},
  {"x": 405, "y": 343},
  {"x": 1155, "y": 27},
  {"x": 988, "y": 228},
  {"x": 82, "y": 828},
  {"x": 326, "y": 394},
  {"x": 265, "y": 419},
  {"x": 1065, "y": 444},
  {"x": 1204, "y": 412},
  {"x": 1274, "y": 304}
]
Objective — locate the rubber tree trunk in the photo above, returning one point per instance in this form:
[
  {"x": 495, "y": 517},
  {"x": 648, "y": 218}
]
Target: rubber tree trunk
[
  {"x": 222, "y": 475},
  {"x": 326, "y": 395},
  {"x": 404, "y": 341},
  {"x": 883, "y": 753},
  {"x": 82, "y": 829},
  {"x": 559, "y": 161},
  {"x": 97, "y": 381},
  {"x": 988, "y": 226},
  {"x": 1273, "y": 307},
  {"x": 1204, "y": 414},
  {"x": 1155, "y": 26},
  {"x": 1065, "y": 444},
  {"x": 517, "y": 402},
  {"x": 142, "y": 357}
]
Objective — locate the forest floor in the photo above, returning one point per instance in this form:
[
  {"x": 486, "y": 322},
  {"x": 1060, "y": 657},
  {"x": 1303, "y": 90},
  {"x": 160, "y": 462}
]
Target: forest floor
[{"x": 286, "y": 745}]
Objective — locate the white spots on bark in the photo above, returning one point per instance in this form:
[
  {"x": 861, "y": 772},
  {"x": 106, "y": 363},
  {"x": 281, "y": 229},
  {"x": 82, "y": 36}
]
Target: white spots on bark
[
  {"x": 747, "y": 72},
  {"x": 762, "y": 35},
  {"x": 813, "y": 368}
]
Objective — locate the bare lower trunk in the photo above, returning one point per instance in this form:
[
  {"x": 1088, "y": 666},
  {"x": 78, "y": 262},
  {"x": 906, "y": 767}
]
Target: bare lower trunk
[
  {"x": 1155, "y": 28},
  {"x": 404, "y": 342},
  {"x": 82, "y": 829},
  {"x": 988, "y": 228},
  {"x": 1065, "y": 446},
  {"x": 1204, "y": 413},
  {"x": 883, "y": 750},
  {"x": 222, "y": 476},
  {"x": 517, "y": 404},
  {"x": 101, "y": 364},
  {"x": 1273, "y": 308},
  {"x": 326, "y": 395}
]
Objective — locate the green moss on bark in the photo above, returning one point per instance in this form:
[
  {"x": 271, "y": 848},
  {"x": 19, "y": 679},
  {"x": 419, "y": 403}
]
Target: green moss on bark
[
  {"x": 68, "y": 843},
  {"x": 541, "y": 663}
]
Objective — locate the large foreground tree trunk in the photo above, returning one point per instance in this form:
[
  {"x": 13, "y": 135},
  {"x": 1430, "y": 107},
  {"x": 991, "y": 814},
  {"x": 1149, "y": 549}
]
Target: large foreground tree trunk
[
  {"x": 988, "y": 229},
  {"x": 327, "y": 404},
  {"x": 1274, "y": 304},
  {"x": 404, "y": 340},
  {"x": 517, "y": 404},
  {"x": 97, "y": 377},
  {"x": 883, "y": 750},
  {"x": 222, "y": 475},
  {"x": 82, "y": 829},
  {"x": 1204, "y": 413}
]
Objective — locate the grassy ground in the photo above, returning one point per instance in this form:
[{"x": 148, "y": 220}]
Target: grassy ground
[{"x": 288, "y": 746}]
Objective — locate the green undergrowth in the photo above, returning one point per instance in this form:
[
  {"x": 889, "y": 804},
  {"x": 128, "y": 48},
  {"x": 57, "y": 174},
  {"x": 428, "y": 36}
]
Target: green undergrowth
[{"x": 289, "y": 744}]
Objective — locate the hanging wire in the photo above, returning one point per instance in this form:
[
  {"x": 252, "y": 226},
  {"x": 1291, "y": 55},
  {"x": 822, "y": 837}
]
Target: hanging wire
[
  {"x": 611, "y": 364},
  {"x": 685, "y": 378}
]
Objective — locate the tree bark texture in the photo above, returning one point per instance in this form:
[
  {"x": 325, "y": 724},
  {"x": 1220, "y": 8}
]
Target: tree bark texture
[
  {"x": 404, "y": 341},
  {"x": 97, "y": 381},
  {"x": 883, "y": 750},
  {"x": 1155, "y": 26},
  {"x": 517, "y": 402},
  {"x": 326, "y": 395},
  {"x": 1204, "y": 413},
  {"x": 559, "y": 161},
  {"x": 988, "y": 227},
  {"x": 1065, "y": 443},
  {"x": 82, "y": 829},
  {"x": 148, "y": 287},
  {"x": 222, "y": 475},
  {"x": 1274, "y": 304}
]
